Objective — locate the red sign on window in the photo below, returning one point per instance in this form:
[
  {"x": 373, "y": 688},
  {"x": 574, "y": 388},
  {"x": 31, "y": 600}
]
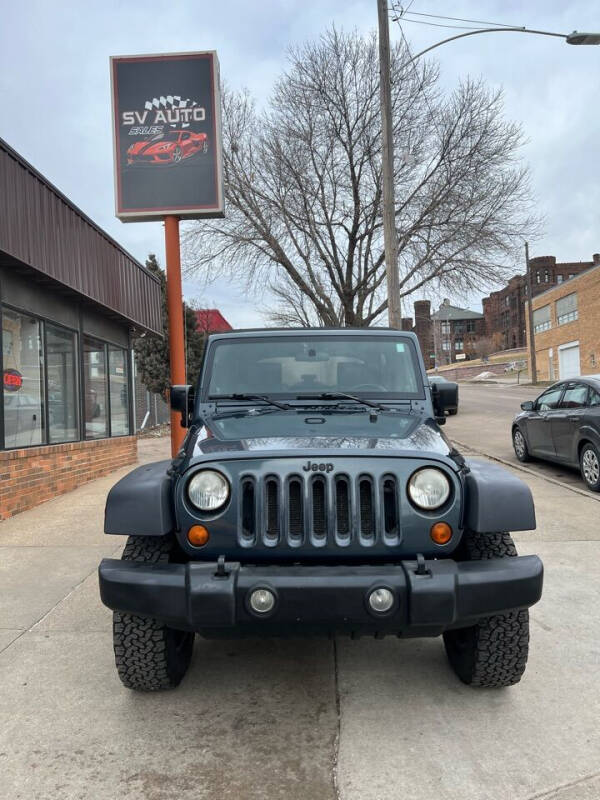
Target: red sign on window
[{"x": 13, "y": 380}]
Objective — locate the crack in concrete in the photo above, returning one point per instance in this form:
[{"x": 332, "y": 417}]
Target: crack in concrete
[
  {"x": 338, "y": 710},
  {"x": 550, "y": 793}
]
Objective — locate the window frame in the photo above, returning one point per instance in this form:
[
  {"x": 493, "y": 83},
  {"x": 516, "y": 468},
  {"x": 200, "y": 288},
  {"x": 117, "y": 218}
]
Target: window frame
[{"x": 80, "y": 334}]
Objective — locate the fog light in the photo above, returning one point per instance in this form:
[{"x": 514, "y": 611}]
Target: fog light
[
  {"x": 262, "y": 601},
  {"x": 381, "y": 600},
  {"x": 198, "y": 535},
  {"x": 441, "y": 533}
]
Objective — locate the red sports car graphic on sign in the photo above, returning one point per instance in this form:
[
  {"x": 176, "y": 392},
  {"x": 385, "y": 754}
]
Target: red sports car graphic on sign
[{"x": 167, "y": 148}]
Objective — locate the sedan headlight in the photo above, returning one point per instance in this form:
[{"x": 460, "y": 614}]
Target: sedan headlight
[
  {"x": 429, "y": 488},
  {"x": 208, "y": 490}
]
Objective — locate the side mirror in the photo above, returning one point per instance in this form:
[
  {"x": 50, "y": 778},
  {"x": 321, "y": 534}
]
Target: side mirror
[
  {"x": 528, "y": 405},
  {"x": 182, "y": 400},
  {"x": 444, "y": 396}
]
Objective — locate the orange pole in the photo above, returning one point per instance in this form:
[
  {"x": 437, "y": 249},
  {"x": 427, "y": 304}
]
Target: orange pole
[{"x": 175, "y": 312}]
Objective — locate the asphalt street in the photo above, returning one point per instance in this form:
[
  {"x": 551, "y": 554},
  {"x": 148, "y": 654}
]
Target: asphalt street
[
  {"x": 295, "y": 719},
  {"x": 483, "y": 424}
]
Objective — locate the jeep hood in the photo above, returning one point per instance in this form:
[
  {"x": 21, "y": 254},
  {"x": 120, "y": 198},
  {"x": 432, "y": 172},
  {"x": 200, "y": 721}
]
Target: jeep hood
[{"x": 302, "y": 430}]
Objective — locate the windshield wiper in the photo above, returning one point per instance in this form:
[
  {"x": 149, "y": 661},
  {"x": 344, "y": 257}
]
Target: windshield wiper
[
  {"x": 338, "y": 395},
  {"x": 263, "y": 397}
]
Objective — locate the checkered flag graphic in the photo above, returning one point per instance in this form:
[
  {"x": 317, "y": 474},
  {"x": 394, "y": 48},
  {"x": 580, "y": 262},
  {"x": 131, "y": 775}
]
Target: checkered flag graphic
[{"x": 168, "y": 102}]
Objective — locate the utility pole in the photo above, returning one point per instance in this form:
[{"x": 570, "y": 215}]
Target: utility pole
[
  {"x": 532, "y": 362},
  {"x": 390, "y": 238}
]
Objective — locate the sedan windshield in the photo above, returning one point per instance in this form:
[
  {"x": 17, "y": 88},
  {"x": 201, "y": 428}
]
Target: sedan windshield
[{"x": 295, "y": 366}]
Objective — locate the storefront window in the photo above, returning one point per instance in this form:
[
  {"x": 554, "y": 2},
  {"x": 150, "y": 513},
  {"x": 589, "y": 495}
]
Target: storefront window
[
  {"x": 119, "y": 391},
  {"x": 23, "y": 380},
  {"x": 61, "y": 354},
  {"x": 96, "y": 389}
]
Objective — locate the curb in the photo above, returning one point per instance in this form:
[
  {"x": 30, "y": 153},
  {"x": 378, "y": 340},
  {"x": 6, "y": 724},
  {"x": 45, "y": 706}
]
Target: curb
[{"x": 533, "y": 473}]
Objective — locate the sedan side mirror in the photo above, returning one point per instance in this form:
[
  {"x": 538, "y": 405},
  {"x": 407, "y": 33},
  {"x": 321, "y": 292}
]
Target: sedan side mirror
[
  {"x": 182, "y": 400},
  {"x": 528, "y": 405}
]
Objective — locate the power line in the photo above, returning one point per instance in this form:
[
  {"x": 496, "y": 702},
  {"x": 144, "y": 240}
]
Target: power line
[
  {"x": 455, "y": 19},
  {"x": 438, "y": 24}
]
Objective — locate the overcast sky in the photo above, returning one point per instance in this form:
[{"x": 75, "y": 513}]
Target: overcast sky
[{"x": 55, "y": 97}]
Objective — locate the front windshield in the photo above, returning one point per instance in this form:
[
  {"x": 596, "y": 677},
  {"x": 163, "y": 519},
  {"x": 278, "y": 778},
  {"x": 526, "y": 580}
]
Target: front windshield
[{"x": 286, "y": 366}]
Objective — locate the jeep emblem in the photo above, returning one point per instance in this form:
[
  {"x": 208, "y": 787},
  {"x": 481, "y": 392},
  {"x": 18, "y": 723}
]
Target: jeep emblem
[{"x": 312, "y": 466}]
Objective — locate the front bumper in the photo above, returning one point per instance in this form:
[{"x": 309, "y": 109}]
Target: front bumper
[{"x": 448, "y": 594}]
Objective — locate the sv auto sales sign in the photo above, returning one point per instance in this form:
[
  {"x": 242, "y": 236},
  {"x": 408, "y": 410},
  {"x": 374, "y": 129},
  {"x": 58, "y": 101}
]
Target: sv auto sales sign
[{"x": 167, "y": 136}]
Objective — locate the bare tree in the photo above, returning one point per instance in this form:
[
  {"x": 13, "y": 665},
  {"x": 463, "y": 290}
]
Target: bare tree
[
  {"x": 484, "y": 347},
  {"x": 303, "y": 178}
]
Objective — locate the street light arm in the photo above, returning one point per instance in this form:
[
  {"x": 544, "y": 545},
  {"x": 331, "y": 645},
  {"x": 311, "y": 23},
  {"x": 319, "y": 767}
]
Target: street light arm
[{"x": 475, "y": 33}]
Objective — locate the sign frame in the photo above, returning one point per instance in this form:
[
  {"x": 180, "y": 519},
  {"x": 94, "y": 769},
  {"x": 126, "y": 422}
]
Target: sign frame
[{"x": 197, "y": 211}]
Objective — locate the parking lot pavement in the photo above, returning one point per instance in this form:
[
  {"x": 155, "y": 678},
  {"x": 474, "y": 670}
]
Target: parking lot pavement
[{"x": 306, "y": 719}]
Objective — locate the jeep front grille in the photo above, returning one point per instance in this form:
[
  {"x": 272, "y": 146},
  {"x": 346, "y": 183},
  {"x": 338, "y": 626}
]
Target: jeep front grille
[{"x": 317, "y": 510}]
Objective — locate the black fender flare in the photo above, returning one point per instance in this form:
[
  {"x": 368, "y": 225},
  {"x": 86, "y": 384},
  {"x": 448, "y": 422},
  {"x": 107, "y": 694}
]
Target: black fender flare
[
  {"x": 496, "y": 500},
  {"x": 141, "y": 503}
]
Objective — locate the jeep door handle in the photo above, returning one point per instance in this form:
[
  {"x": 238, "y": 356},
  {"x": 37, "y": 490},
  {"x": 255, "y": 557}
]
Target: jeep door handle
[{"x": 573, "y": 417}]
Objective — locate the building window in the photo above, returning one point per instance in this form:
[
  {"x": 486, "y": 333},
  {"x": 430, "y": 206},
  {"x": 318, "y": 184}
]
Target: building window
[
  {"x": 541, "y": 319},
  {"x": 445, "y": 345},
  {"x": 571, "y": 275},
  {"x": 458, "y": 344},
  {"x": 471, "y": 326},
  {"x": 538, "y": 278},
  {"x": 119, "y": 391},
  {"x": 95, "y": 388},
  {"x": 546, "y": 276},
  {"x": 61, "y": 354},
  {"x": 507, "y": 301},
  {"x": 445, "y": 327},
  {"x": 566, "y": 309},
  {"x": 23, "y": 380},
  {"x": 559, "y": 278}
]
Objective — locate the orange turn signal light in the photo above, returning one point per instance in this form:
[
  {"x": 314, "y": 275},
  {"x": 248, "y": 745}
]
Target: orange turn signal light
[
  {"x": 198, "y": 535},
  {"x": 441, "y": 533}
]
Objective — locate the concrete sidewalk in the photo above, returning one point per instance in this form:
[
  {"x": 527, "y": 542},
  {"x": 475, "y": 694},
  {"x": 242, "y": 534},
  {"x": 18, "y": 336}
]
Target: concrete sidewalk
[{"x": 299, "y": 719}]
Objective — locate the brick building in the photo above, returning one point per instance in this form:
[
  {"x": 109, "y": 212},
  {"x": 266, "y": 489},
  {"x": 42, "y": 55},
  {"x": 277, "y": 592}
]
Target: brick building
[
  {"x": 504, "y": 310},
  {"x": 566, "y": 324},
  {"x": 71, "y": 300},
  {"x": 449, "y": 334}
]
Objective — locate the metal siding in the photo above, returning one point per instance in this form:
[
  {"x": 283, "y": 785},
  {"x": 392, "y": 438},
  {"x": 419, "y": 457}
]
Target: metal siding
[{"x": 41, "y": 228}]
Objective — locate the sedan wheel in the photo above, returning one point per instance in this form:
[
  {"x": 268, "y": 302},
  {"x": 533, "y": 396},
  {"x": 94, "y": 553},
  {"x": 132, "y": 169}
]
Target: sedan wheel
[
  {"x": 520, "y": 446},
  {"x": 590, "y": 467}
]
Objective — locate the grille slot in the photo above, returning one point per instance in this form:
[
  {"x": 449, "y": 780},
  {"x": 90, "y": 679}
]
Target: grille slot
[
  {"x": 295, "y": 509},
  {"x": 272, "y": 509},
  {"x": 248, "y": 512},
  {"x": 342, "y": 506},
  {"x": 319, "y": 508},
  {"x": 367, "y": 510},
  {"x": 390, "y": 507}
]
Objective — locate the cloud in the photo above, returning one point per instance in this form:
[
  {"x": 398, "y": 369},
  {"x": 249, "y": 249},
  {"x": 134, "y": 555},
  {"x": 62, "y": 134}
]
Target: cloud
[{"x": 54, "y": 87}]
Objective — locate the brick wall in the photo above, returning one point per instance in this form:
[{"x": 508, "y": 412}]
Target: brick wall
[
  {"x": 34, "y": 474},
  {"x": 585, "y": 329}
]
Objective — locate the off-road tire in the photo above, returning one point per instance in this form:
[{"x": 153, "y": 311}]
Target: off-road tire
[
  {"x": 149, "y": 655},
  {"x": 492, "y": 653}
]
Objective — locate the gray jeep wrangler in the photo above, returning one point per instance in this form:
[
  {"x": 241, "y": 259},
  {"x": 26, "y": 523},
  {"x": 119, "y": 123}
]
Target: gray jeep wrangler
[{"x": 316, "y": 494}]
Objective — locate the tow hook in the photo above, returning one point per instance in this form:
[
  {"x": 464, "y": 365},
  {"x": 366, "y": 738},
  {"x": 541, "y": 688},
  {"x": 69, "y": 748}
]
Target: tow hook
[
  {"x": 221, "y": 571},
  {"x": 421, "y": 568}
]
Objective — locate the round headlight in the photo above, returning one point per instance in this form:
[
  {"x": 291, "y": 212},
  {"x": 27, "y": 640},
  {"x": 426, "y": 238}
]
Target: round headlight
[
  {"x": 208, "y": 490},
  {"x": 429, "y": 488}
]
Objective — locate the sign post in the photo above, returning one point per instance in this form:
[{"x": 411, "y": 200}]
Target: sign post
[{"x": 168, "y": 165}]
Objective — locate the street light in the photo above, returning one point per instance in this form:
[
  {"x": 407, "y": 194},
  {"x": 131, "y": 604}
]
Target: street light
[{"x": 390, "y": 238}]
